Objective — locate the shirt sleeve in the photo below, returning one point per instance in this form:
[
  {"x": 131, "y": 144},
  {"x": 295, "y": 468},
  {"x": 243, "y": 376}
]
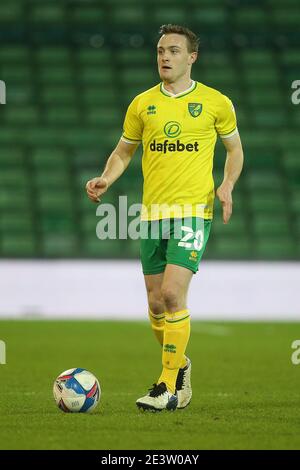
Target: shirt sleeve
[
  {"x": 225, "y": 123},
  {"x": 133, "y": 124}
]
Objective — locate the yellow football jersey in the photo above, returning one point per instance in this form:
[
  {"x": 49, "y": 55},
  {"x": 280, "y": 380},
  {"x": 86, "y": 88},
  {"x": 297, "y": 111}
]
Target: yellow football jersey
[{"x": 178, "y": 133}]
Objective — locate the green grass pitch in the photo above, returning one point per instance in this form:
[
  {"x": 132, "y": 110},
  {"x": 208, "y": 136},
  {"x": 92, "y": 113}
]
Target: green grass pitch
[{"x": 246, "y": 391}]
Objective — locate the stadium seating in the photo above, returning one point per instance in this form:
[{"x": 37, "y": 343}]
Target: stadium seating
[{"x": 71, "y": 69}]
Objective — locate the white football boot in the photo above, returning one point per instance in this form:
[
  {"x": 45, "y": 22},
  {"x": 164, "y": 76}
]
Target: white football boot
[
  {"x": 183, "y": 385},
  {"x": 158, "y": 399}
]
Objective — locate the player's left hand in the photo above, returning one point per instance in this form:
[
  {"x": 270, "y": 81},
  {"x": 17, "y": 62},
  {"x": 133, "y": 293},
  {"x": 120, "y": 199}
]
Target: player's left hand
[{"x": 224, "y": 193}]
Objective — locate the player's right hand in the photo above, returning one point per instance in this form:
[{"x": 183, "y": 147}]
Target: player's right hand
[{"x": 96, "y": 187}]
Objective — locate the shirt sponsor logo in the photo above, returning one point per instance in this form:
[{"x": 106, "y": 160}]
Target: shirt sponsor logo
[
  {"x": 177, "y": 146},
  {"x": 172, "y": 129}
]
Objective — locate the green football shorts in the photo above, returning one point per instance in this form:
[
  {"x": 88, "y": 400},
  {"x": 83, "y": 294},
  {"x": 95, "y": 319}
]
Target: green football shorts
[{"x": 173, "y": 241}]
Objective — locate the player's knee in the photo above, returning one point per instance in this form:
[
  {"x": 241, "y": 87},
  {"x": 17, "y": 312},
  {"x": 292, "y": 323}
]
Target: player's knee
[
  {"x": 156, "y": 304},
  {"x": 171, "y": 298}
]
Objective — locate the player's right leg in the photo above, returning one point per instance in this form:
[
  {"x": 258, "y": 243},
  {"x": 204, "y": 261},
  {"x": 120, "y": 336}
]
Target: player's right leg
[
  {"x": 177, "y": 332},
  {"x": 159, "y": 397}
]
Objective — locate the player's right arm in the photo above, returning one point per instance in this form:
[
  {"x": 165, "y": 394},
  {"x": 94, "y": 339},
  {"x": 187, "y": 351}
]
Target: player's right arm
[{"x": 115, "y": 166}]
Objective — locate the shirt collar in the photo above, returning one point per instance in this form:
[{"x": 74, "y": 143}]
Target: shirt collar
[{"x": 172, "y": 95}]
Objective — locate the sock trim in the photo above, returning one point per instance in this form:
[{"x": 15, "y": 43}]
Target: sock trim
[
  {"x": 176, "y": 321},
  {"x": 159, "y": 316},
  {"x": 176, "y": 316}
]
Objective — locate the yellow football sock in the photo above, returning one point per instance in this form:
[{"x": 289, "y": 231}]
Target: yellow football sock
[
  {"x": 176, "y": 337},
  {"x": 158, "y": 325}
]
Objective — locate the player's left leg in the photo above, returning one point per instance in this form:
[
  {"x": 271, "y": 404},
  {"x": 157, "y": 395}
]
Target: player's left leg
[
  {"x": 177, "y": 323},
  {"x": 176, "y": 333},
  {"x": 180, "y": 260},
  {"x": 183, "y": 257}
]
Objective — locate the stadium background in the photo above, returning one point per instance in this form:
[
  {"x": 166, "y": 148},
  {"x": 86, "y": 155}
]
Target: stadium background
[{"x": 71, "y": 68}]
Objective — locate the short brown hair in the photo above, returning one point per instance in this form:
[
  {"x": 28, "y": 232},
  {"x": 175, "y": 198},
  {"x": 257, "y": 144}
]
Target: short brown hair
[{"x": 192, "y": 39}]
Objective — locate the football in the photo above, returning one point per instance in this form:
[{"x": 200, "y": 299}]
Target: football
[{"x": 76, "y": 391}]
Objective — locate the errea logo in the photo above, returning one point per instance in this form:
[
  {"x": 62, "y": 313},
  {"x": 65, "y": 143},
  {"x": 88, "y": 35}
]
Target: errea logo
[
  {"x": 151, "y": 109},
  {"x": 171, "y": 348}
]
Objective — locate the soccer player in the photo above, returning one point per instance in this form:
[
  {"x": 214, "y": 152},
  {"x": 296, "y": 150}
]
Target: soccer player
[{"x": 177, "y": 122}]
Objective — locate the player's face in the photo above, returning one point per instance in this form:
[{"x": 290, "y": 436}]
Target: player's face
[{"x": 173, "y": 58}]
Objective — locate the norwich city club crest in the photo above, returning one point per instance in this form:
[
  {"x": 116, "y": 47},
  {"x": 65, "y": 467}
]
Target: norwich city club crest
[{"x": 195, "y": 109}]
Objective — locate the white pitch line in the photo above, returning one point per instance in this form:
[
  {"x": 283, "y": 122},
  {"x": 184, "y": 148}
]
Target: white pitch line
[
  {"x": 206, "y": 329},
  {"x": 214, "y": 330}
]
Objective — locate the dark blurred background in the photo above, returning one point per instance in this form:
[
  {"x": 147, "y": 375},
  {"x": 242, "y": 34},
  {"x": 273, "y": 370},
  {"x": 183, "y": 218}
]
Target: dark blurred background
[{"x": 71, "y": 69}]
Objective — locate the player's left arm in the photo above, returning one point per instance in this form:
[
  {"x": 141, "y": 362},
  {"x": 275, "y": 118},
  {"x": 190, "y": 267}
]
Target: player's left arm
[{"x": 232, "y": 171}]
